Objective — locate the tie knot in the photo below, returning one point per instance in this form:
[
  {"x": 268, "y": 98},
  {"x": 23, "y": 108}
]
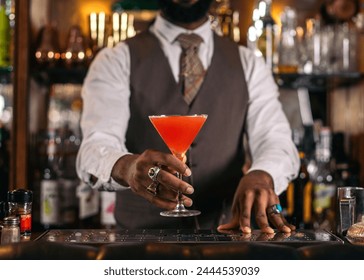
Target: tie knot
[{"x": 189, "y": 41}]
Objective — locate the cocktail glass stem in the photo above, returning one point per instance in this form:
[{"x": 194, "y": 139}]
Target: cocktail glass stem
[{"x": 180, "y": 206}]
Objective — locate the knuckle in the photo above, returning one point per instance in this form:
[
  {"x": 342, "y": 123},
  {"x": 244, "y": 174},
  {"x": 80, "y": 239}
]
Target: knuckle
[
  {"x": 261, "y": 215},
  {"x": 245, "y": 216},
  {"x": 148, "y": 153}
]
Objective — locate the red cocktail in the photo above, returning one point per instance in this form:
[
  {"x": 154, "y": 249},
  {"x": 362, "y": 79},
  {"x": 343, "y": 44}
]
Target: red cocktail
[{"x": 178, "y": 133}]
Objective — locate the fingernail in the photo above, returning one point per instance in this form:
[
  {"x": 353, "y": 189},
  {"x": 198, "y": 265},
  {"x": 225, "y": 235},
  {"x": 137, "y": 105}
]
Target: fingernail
[
  {"x": 187, "y": 172},
  {"x": 246, "y": 230},
  {"x": 286, "y": 229},
  {"x": 188, "y": 202},
  {"x": 189, "y": 190},
  {"x": 269, "y": 230}
]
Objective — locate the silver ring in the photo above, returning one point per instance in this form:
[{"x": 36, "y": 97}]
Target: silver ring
[
  {"x": 153, "y": 188},
  {"x": 274, "y": 209},
  {"x": 153, "y": 173}
]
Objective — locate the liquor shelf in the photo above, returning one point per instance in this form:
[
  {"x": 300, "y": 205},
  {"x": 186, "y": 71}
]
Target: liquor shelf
[{"x": 317, "y": 82}]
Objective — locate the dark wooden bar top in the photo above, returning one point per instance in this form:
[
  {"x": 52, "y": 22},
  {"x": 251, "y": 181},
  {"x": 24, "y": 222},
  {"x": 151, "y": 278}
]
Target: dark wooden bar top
[{"x": 101, "y": 244}]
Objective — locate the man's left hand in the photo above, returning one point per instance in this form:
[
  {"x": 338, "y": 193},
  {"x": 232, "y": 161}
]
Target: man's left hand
[{"x": 256, "y": 193}]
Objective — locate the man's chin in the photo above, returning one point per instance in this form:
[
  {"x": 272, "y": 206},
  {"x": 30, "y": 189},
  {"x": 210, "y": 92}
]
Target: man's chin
[{"x": 185, "y": 11}]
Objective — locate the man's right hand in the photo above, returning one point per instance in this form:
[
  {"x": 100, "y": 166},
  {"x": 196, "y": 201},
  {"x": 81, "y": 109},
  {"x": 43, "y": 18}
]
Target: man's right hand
[{"x": 132, "y": 170}]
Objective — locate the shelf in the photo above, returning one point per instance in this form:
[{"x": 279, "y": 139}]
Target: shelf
[
  {"x": 317, "y": 82},
  {"x": 60, "y": 75}
]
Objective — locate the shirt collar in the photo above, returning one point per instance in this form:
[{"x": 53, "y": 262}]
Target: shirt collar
[{"x": 170, "y": 31}]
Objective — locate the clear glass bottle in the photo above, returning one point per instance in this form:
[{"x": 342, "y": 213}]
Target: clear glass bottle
[
  {"x": 266, "y": 27},
  {"x": 287, "y": 49},
  {"x": 324, "y": 189},
  {"x": 10, "y": 232}
]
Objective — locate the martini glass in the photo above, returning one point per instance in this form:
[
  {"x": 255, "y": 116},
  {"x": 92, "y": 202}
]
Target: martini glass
[{"x": 178, "y": 133}]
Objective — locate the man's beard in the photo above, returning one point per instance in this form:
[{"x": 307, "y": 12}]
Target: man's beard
[{"x": 184, "y": 14}]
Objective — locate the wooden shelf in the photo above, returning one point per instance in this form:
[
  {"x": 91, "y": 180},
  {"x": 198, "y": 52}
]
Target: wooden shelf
[
  {"x": 60, "y": 75},
  {"x": 317, "y": 81}
]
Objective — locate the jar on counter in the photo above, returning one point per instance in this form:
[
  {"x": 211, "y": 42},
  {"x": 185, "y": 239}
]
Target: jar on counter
[
  {"x": 20, "y": 205},
  {"x": 10, "y": 232}
]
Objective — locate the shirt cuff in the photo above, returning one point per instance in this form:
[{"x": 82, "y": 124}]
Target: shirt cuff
[
  {"x": 104, "y": 180},
  {"x": 111, "y": 186}
]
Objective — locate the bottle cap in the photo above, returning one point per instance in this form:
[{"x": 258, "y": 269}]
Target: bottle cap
[
  {"x": 11, "y": 220},
  {"x": 20, "y": 196}
]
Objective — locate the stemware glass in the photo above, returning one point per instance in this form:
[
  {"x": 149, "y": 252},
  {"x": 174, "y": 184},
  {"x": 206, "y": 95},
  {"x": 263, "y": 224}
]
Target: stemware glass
[{"x": 178, "y": 133}]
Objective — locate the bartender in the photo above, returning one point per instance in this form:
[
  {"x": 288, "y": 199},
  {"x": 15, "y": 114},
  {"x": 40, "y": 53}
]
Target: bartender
[{"x": 122, "y": 152}]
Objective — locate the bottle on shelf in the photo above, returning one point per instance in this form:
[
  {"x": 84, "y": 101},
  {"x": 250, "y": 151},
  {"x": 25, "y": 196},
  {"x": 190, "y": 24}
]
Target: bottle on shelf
[
  {"x": 77, "y": 53},
  {"x": 225, "y": 20},
  {"x": 68, "y": 180},
  {"x": 266, "y": 31},
  {"x": 49, "y": 186},
  {"x": 48, "y": 53},
  {"x": 287, "y": 52},
  {"x": 4, "y": 162},
  {"x": 324, "y": 188},
  {"x": 298, "y": 195},
  {"x": 5, "y": 34},
  {"x": 346, "y": 169}
]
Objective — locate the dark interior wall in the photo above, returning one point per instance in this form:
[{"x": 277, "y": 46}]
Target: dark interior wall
[{"x": 65, "y": 13}]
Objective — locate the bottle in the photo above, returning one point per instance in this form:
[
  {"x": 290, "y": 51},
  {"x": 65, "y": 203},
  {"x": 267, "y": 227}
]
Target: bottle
[
  {"x": 346, "y": 169},
  {"x": 49, "y": 189},
  {"x": 75, "y": 53},
  {"x": 266, "y": 28},
  {"x": 68, "y": 180},
  {"x": 298, "y": 194},
  {"x": 226, "y": 19},
  {"x": 287, "y": 49},
  {"x": 4, "y": 35},
  {"x": 297, "y": 200},
  {"x": 4, "y": 162},
  {"x": 20, "y": 205},
  {"x": 48, "y": 48},
  {"x": 10, "y": 232},
  {"x": 324, "y": 189}
]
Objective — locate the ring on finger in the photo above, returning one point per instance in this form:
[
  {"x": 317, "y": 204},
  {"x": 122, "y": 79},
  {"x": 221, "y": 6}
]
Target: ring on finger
[
  {"x": 153, "y": 188},
  {"x": 274, "y": 209},
  {"x": 153, "y": 173}
]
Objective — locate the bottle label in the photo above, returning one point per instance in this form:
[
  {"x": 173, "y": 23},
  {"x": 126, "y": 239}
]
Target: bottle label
[
  {"x": 4, "y": 38},
  {"x": 49, "y": 202},
  {"x": 323, "y": 196}
]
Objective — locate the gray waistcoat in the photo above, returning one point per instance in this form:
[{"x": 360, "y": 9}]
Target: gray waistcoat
[{"x": 216, "y": 156}]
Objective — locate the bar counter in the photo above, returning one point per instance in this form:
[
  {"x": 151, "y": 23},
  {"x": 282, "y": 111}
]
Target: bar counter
[{"x": 100, "y": 244}]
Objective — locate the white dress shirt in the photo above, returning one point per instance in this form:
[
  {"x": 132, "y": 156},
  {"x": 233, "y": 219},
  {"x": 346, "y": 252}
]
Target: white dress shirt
[{"x": 106, "y": 110}]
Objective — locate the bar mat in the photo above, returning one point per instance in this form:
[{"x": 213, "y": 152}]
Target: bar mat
[{"x": 100, "y": 236}]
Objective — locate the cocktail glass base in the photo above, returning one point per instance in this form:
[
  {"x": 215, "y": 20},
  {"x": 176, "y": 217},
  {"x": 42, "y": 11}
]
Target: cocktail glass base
[{"x": 180, "y": 213}]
